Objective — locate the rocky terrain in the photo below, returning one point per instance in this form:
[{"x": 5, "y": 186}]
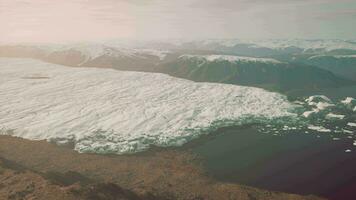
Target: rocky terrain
[{"x": 40, "y": 170}]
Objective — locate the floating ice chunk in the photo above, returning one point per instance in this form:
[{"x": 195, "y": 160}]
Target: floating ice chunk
[
  {"x": 319, "y": 103},
  {"x": 348, "y": 150},
  {"x": 319, "y": 128},
  {"x": 335, "y": 139},
  {"x": 354, "y": 143},
  {"x": 308, "y": 114},
  {"x": 347, "y": 131},
  {"x": 287, "y": 128},
  {"x": 338, "y": 131},
  {"x": 298, "y": 102},
  {"x": 352, "y": 124},
  {"x": 323, "y": 105},
  {"x": 350, "y": 103},
  {"x": 312, "y": 100},
  {"x": 345, "y": 56},
  {"x": 348, "y": 100},
  {"x": 333, "y": 116}
]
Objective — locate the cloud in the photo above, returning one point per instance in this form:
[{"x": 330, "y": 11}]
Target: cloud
[
  {"x": 332, "y": 15},
  {"x": 61, "y": 20}
]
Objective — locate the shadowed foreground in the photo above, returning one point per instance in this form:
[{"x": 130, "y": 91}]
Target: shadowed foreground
[{"x": 45, "y": 171}]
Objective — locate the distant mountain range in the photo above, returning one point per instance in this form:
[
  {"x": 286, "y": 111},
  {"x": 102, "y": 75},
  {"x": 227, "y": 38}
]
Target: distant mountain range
[
  {"x": 269, "y": 74},
  {"x": 281, "y": 65},
  {"x": 342, "y": 65}
]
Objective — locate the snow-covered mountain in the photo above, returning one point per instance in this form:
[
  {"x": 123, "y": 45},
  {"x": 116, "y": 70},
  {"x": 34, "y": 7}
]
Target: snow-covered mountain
[
  {"x": 251, "y": 71},
  {"x": 342, "y": 65},
  {"x": 92, "y": 55},
  {"x": 327, "y": 45},
  {"x": 93, "y": 51},
  {"x": 266, "y": 47},
  {"x": 279, "y": 66},
  {"x": 230, "y": 58}
]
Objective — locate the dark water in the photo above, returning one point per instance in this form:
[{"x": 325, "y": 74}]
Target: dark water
[
  {"x": 297, "y": 162},
  {"x": 332, "y": 93}
]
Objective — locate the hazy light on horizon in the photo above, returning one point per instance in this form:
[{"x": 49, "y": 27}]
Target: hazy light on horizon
[{"x": 78, "y": 20}]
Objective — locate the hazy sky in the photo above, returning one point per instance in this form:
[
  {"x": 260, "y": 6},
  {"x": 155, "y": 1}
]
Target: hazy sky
[{"x": 74, "y": 20}]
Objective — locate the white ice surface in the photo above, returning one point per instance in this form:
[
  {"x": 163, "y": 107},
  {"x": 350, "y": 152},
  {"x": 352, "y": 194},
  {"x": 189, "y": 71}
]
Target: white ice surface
[
  {"x": 287, "y": 43},
  {"x": 348, "y": 100},
  {"x": 347, "y": 131},
  {"x": 310, "y": 113},
  {"x": 314, "y": 100},
  {"x": 319, "y": 129},
  {"x": 334, "y": 56},
  {"x": 103, "y": 110},
  {"x": 350, "y": 103},
  {"x": 230, "y": 58},
  {"x": 319, "y": 103},
  {"x": 345, "y": 56},
  {"x": 334, "y": 116}
]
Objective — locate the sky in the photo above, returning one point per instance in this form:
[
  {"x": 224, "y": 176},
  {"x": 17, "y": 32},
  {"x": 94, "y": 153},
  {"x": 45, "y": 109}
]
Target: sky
[{"x": 92, "y": 20}]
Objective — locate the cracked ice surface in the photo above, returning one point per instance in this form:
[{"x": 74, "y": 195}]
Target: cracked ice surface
[{"x": 108, "y": 111}]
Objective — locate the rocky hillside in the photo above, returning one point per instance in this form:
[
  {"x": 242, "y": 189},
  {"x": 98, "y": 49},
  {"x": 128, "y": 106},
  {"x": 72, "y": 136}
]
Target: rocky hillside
[
  {"x": 259, "y": 72},
  {"x": 342, "y": 65}
]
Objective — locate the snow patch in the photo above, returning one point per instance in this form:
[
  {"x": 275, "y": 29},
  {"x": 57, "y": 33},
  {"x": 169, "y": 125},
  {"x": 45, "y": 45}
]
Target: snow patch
[
  {"x": 332, "y": 116},
  {"x": 347, "y": 131},
  {"x": 230, "y": 58},
  {"x": 319, "y": 129},
  {"x": 310, "y": 113},
  {"x": 350, "y": 103},
  {"x": 161, "y": 54}
]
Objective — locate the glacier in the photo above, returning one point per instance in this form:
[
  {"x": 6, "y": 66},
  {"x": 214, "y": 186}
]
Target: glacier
[{"x": 109, "y": 111}]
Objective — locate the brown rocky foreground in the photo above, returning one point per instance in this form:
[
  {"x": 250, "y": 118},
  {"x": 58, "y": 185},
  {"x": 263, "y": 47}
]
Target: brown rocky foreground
[{"x": 40, "y": 170}]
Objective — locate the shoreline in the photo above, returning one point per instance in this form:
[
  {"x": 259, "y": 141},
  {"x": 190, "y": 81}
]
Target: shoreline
[
  {"x": 172, "y": 172},
  {"x": 214, "y": 160}
]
